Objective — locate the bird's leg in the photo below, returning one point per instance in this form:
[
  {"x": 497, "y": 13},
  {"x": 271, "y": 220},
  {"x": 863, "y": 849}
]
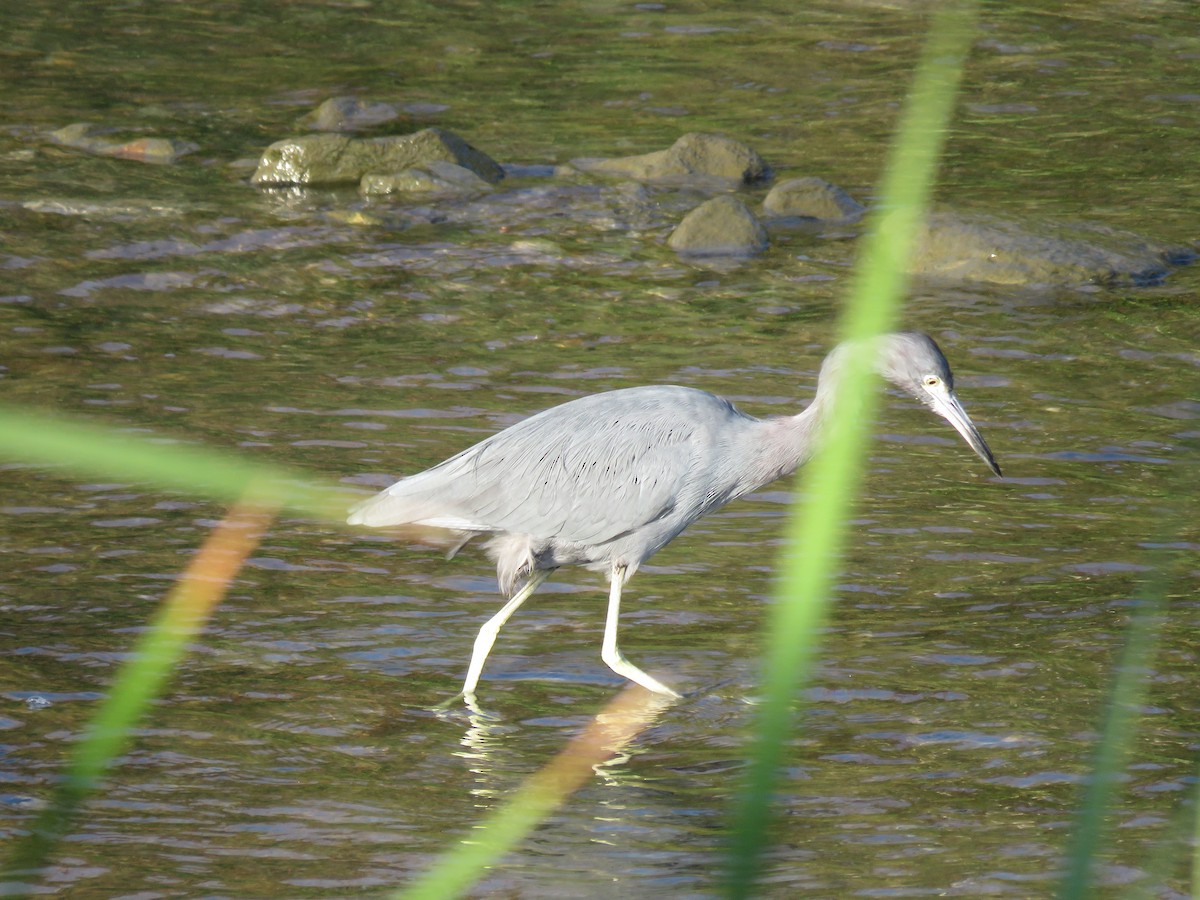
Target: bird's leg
[
  {"x": 487, "y": 634},
  {"x": 609, "y": 652}
]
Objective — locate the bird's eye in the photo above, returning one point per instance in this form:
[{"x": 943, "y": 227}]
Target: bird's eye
[{"x": 932, "y": 381}]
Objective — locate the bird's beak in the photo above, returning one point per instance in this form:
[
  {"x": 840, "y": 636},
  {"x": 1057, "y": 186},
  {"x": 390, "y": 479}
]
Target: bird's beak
[{"x": 947, "y": 406}]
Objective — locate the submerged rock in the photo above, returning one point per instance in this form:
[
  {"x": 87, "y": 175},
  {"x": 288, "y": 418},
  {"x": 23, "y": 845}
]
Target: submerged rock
[
  {"x": 985, "y": 248},
  {"x": 78, "y": 135},
  {"x": 722, "y": 226},
  {"x": 329, "y": 159},
  {"x": 87, "y": 138},
  {"x": 348, "y": 114},
  {"x": 436, "y": 177},
  {"x": 812, "y": 198},
  {"x": 160, "y": 151},
  {"x": 693, "y": 155}
]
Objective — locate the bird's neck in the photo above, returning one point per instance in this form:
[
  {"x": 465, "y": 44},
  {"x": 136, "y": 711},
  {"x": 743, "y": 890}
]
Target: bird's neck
[
  {"x": 810, "y": 424},
  {"x": 806, "y": 429},
  {"x": 783, "y": 444},
  {"x": 796, "y": 439},
  {"x": 778, "y": 446}
]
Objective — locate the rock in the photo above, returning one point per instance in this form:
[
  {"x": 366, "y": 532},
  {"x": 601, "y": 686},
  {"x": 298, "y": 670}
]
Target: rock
[
  {"x": 424, "y": 108},
  {"x": 329, "y": 159},
  {"x": 722, "y": 226},
  {"x": 87, "y": 138},
  {"x": 160, "y": 151},
  {"x": 436, "y": 177},
  {"x": 139, "y": 210},
  {"x": 348, "y": 114},
  {"x": 78, "y": 135},
  {"x": 984, "y": 248},
  {"x": 694, "y": 154},
  {"x": 812, "y": 198}
]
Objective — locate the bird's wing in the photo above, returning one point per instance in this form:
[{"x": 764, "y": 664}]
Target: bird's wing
[{"x": 587, "y": 471}]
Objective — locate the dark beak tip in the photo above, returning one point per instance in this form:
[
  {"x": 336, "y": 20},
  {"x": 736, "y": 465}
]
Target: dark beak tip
[{"x": 985, "y": 454}]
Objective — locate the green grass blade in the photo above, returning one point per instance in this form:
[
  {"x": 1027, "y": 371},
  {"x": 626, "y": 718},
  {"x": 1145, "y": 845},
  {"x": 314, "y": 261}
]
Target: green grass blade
[
  {"x": 82, "y": 448},
  {"x": 1116, "y": 735},
  {"x": 817, "y": 532},
  {"x": 86, "y": 449},
  {"x": 138, "y": 683}
]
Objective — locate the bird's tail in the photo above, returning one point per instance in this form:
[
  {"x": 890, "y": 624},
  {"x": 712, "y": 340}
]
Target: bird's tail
[{"x": 413, "y": 517}]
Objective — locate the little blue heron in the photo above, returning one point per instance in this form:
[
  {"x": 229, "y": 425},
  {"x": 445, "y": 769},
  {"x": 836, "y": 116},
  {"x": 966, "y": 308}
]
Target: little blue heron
[{"x": 608, "y": 480}]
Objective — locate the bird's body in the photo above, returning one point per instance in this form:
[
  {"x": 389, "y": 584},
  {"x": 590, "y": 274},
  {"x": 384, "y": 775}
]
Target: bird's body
[{"x": 609, "y": 479}]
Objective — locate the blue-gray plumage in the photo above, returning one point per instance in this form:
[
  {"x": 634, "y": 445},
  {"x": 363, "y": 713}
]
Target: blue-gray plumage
[{"x": 608, "y": 480}]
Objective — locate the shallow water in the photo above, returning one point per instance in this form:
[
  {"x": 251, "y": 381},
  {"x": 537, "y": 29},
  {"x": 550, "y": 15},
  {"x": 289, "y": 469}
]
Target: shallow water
[{"x": 978, "y": 620}]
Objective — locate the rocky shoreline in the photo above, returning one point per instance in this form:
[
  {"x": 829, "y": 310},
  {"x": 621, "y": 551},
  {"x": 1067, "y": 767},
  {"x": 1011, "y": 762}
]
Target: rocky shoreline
[{"x": 711, "y": 197}]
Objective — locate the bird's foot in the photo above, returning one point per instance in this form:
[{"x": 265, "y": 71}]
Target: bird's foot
[{"x": 468, "y": 700}]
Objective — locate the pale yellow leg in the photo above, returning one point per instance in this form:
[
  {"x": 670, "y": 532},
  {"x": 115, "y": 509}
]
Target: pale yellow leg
[
  {"x": 491, "y": 628},
  {"x": 609, "y": 652}
]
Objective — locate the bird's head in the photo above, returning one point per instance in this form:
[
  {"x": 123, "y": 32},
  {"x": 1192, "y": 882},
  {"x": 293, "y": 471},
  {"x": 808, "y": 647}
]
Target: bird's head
[{"x": 914, "y": 363}]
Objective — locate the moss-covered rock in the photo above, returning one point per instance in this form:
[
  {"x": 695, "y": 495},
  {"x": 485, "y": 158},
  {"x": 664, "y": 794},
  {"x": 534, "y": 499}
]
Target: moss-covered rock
[
  {"x": 722, "y": 226},
  {"x": 987, "y": 248},
  {"x": 693, "y": 155},
  {"x": 436, "y": 177},
  {"x": 812, "y": 198},
  {"x": 348, "y": 114},
  {"x": 330, "y": 159}
]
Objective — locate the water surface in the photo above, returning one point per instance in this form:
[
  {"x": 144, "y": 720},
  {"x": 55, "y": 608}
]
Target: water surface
[{"x": 978, "y": 620}]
